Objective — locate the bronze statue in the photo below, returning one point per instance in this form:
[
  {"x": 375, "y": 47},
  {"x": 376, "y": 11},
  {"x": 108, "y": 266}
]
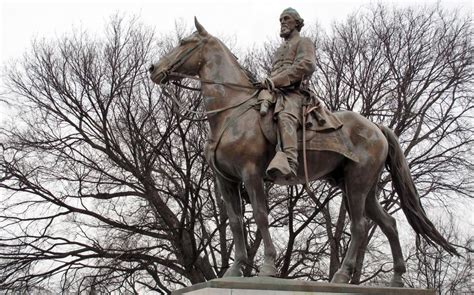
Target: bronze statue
[
  {"x": 294, "y": 62},
  {"x": 240, "y": 147}
]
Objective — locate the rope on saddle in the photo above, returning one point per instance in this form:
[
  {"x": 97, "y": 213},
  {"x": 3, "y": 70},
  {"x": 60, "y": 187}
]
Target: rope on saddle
[
  {"x": 305, "y": 164},
  {"x": 320, "y": 205}
]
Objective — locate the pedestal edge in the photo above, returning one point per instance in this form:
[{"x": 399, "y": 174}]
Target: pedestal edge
[{"x": 257, "y": 283}]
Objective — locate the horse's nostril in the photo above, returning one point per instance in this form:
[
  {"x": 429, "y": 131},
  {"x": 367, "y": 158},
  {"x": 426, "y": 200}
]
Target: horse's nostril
[{"x": 151, "y": 69}]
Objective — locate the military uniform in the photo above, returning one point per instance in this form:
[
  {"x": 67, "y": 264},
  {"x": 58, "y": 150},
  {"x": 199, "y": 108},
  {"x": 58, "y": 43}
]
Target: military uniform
[{"x": 294, "y": 61}]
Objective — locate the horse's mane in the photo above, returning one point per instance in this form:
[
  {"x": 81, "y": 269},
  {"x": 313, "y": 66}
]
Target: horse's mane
[{"x": 250, "y": 75}]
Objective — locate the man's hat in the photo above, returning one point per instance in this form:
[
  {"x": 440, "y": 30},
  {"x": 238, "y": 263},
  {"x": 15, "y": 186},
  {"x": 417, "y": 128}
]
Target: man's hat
[{"x": 291, "y": 11}]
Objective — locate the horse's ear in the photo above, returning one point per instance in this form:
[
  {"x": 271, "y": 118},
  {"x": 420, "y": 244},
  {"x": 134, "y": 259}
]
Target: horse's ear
[{"x": 200, "y": 28}]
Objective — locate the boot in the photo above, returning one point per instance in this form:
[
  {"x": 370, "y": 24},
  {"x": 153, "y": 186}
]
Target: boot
[{"x": 287, "y": 125}]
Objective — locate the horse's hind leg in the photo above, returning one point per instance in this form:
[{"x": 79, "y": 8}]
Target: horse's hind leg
[
  {"x": 358, "y": 182},
  {"x": 389, "y": 227},
  {"x": 255, "y": 188},
  {"x": 233, "y": 203}
]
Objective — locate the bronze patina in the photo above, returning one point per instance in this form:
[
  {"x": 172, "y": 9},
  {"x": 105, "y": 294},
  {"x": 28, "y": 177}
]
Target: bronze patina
[
  {"x": 294, "y": 63},
  {"x": 239, "y": 152}
]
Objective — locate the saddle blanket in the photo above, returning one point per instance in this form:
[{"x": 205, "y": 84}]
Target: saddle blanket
[
  {"x": 330, "y": 137},
  {"x": 334, "y": 140}
]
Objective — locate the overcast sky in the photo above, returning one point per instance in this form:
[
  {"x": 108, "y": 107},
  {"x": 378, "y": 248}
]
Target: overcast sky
[{"x": 249, "y": 22}]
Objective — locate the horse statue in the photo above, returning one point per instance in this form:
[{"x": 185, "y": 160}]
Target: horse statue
[{"x": 239, "y": 151}]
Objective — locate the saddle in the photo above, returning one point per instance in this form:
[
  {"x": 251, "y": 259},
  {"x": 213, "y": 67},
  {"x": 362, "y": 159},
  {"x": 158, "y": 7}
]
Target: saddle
[{"x": 323, "y": 131}]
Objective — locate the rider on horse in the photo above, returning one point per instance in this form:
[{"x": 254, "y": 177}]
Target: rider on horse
[
  {"x": 294, "y": 62},
  {"x": 238, "y": 149}
]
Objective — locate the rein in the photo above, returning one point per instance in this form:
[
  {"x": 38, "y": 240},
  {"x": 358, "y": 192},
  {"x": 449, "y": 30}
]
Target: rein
[
  {"x": 170, "y": 93},
  {"x": 206, "y": 81}
]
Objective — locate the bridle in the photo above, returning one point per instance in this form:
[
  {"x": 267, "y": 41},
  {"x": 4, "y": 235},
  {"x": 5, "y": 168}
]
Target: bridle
[{"x": 171, "y": 72}]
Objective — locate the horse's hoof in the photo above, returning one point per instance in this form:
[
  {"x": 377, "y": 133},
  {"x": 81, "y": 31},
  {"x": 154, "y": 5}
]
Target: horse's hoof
[
  {"x": 397, "y": 283},
  {"x": 340, "y": 278},
  {"x": 268, "y": 270},
  {"x": 234, "y": 272}
]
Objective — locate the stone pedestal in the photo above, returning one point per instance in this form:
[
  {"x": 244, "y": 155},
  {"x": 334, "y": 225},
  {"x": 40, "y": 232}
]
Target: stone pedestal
[{"x": 274, "y": 286}]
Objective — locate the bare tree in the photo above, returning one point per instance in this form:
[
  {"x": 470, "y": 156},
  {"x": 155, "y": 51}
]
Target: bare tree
[
  {"x": 432, "y": 268},
  {"x": 411, "y": 70},
  {"x": 104, "y": 186},
  {"x": 102, "y": 183}
]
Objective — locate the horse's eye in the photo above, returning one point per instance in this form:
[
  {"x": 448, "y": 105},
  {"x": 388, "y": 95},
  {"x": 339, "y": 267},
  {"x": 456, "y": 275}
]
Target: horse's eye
[{"x": 182, "y": 42}]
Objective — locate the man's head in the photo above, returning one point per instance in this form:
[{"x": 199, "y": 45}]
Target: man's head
[{"x": 289, "y": 21}]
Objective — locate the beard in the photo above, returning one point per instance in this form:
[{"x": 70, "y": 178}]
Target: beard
[{"x": 285, "y": 32}]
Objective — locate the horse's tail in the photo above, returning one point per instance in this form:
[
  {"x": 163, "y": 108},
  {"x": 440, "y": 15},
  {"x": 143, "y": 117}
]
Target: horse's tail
[{"x": 397, "y": 165}]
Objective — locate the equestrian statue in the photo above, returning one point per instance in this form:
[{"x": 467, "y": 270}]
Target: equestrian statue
[{"x": 256, "y": 135}]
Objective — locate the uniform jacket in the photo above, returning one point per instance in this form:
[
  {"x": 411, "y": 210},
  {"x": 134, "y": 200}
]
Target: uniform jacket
[{"x": 294, "y": 61}]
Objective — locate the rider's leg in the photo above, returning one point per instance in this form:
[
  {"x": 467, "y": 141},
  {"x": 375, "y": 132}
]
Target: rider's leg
[{"x": 287, "y": 123}]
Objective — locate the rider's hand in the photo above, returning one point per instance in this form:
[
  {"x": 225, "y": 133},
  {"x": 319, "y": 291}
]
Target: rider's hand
[
  {"x": 266, "y": 83},
  {"x": 258, "y": 85}
]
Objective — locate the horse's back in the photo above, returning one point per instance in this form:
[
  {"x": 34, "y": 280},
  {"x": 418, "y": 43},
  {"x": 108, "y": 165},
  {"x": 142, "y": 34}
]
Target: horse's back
[
  {"x": 367, "y": 139},
  {"x": 245, "y": 141}
]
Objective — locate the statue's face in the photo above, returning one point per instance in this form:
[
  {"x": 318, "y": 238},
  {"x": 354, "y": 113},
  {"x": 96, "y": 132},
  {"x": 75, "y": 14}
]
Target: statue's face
[{"x": 287, "y": 25}]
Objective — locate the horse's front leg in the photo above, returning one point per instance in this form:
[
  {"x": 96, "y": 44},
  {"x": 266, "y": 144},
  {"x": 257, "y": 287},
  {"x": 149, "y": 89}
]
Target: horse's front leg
[
  {"x": 255, "y": 188},
  {"x": 233, "y": 203}
]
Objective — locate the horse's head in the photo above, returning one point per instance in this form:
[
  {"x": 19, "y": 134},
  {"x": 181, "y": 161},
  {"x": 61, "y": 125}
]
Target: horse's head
[{"x": 186, "y": 58}]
